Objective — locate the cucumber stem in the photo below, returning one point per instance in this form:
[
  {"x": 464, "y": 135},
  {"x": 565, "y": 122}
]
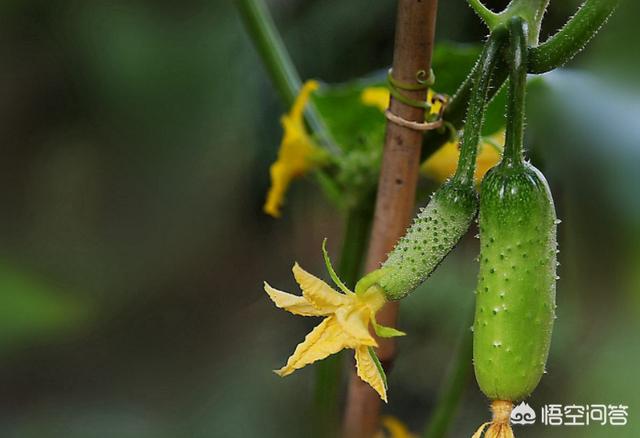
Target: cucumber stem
[
  {"x": 476, "y": 108},
  {"x": 553, "y": 53},
  {"x": 279, "y": 65},
  {"x": 489, "y": 17},
  {"x": 517, "y": 59},
  {"x": 573, "y": 36},
  {"x": 531, "y": 11}
]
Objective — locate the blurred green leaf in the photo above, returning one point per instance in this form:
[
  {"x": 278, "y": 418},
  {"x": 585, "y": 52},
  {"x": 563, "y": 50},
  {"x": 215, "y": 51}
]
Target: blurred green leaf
[
  {"x": 31, "y": 308},
  {"x": 359, "y": 131},
  {"x": 452, "y": 63},
  {"x": 353, "y": 124}
]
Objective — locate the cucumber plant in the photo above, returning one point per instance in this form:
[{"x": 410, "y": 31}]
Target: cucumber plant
[{"x": 515, "y": 296}]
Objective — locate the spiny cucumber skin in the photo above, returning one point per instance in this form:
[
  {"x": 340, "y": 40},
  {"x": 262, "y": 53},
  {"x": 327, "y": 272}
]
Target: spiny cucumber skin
[
  {"x": 515, "y": 299},
  {"x": 435, "y": 231}
]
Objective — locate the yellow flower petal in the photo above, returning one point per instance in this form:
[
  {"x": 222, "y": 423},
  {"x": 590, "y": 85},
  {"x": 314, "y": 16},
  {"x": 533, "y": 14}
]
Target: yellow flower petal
[
  {"x": 297, "y": 110},
  {"x": 325, "y": 339},
  {"x": 376, "y": 96},
  {"x": 368, "y": 371},
  {"x": 355, "y": 318},
  {"x": 297, "y": 155},
  {"x": 395, "y": 427},
  {"x": 292, "y": 303},
  {"x": 346, "y": 325},
  {"x": 442, "y": 164},
  {"x": 317, "y": 292},
  {"x": 355, "y": 321}
]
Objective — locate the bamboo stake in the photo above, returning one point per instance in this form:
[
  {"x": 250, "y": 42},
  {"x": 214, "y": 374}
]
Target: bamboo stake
[{"x": 415, "y": 26}]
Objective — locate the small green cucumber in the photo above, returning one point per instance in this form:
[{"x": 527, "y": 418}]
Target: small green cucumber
[
  {"x": 435, "y": 231},
  {"x": 441, "y": 224}
]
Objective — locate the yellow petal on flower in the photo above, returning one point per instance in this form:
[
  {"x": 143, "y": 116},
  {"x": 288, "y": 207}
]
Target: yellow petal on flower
[
  {"x": 292, "y": 303},
  {"x": 317, "y": 292},
  {"x": 298, "y": 153},
  {"x": 355, "y": 321},
  {"x": 297, "y": 110},
  {"x": 374, "y": 298},
  {"x": 368, "y": 371},
  {"x": 325, "y": 339},
  {"x": 376, "y": 96}
]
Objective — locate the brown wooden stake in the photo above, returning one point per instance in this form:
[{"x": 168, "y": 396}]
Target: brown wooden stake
[{"x": 415, "y": 26}]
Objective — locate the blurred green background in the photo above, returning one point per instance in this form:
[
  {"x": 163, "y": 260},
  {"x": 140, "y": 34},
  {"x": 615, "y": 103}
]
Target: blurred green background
[{"x": 135, "y": 141}]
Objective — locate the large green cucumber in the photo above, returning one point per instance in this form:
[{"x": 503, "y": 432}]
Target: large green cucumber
[{"x": 515, "y": 298}]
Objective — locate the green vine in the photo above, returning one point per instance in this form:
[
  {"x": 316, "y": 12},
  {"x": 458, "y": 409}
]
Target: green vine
[
  {"x": 477, "y": 104},
  {"x": 554, "y": 52}
]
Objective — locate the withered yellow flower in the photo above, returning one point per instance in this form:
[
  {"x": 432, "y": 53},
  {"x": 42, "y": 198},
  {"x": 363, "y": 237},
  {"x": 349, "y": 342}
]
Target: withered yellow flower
[
  {"x": 298, "y": 153},
  {"x": 346, "y": 322},
  {"x": 442, "y": 164}
]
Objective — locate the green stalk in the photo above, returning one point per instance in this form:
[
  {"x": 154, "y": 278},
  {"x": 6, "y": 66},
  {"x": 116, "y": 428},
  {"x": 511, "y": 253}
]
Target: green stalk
[
  {"x": 554, "y": 52},
  {"x": 531, "y": 11},
  {"x": 271, "y": 49},
  {"x": 329, "y": 371},
  {"x": 476, "y": 108},
  {"x": 573, "y": 36},
  {"x": 454, "y": 386},
  {"x": 277, "y": 61},
  {"x": 512, "y": 155}
]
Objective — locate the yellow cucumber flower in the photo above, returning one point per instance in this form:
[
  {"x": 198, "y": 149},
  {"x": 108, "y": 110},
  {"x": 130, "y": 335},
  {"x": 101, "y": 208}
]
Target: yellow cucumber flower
[
  {"x": 345, "y": 325},
  {"x": 442, "y": 164},
  {"x": 298, "y": 153}
]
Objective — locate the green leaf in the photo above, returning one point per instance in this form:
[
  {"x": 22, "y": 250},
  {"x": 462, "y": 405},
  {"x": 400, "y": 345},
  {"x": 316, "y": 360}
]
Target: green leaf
[
  {"x": 33, "y": 309},
  {"x": 358, "y": 130},
  {"x": 352, "y": 124},
  {"x": 387, "y": 332},
  {"x": 452, "y": 63}
]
